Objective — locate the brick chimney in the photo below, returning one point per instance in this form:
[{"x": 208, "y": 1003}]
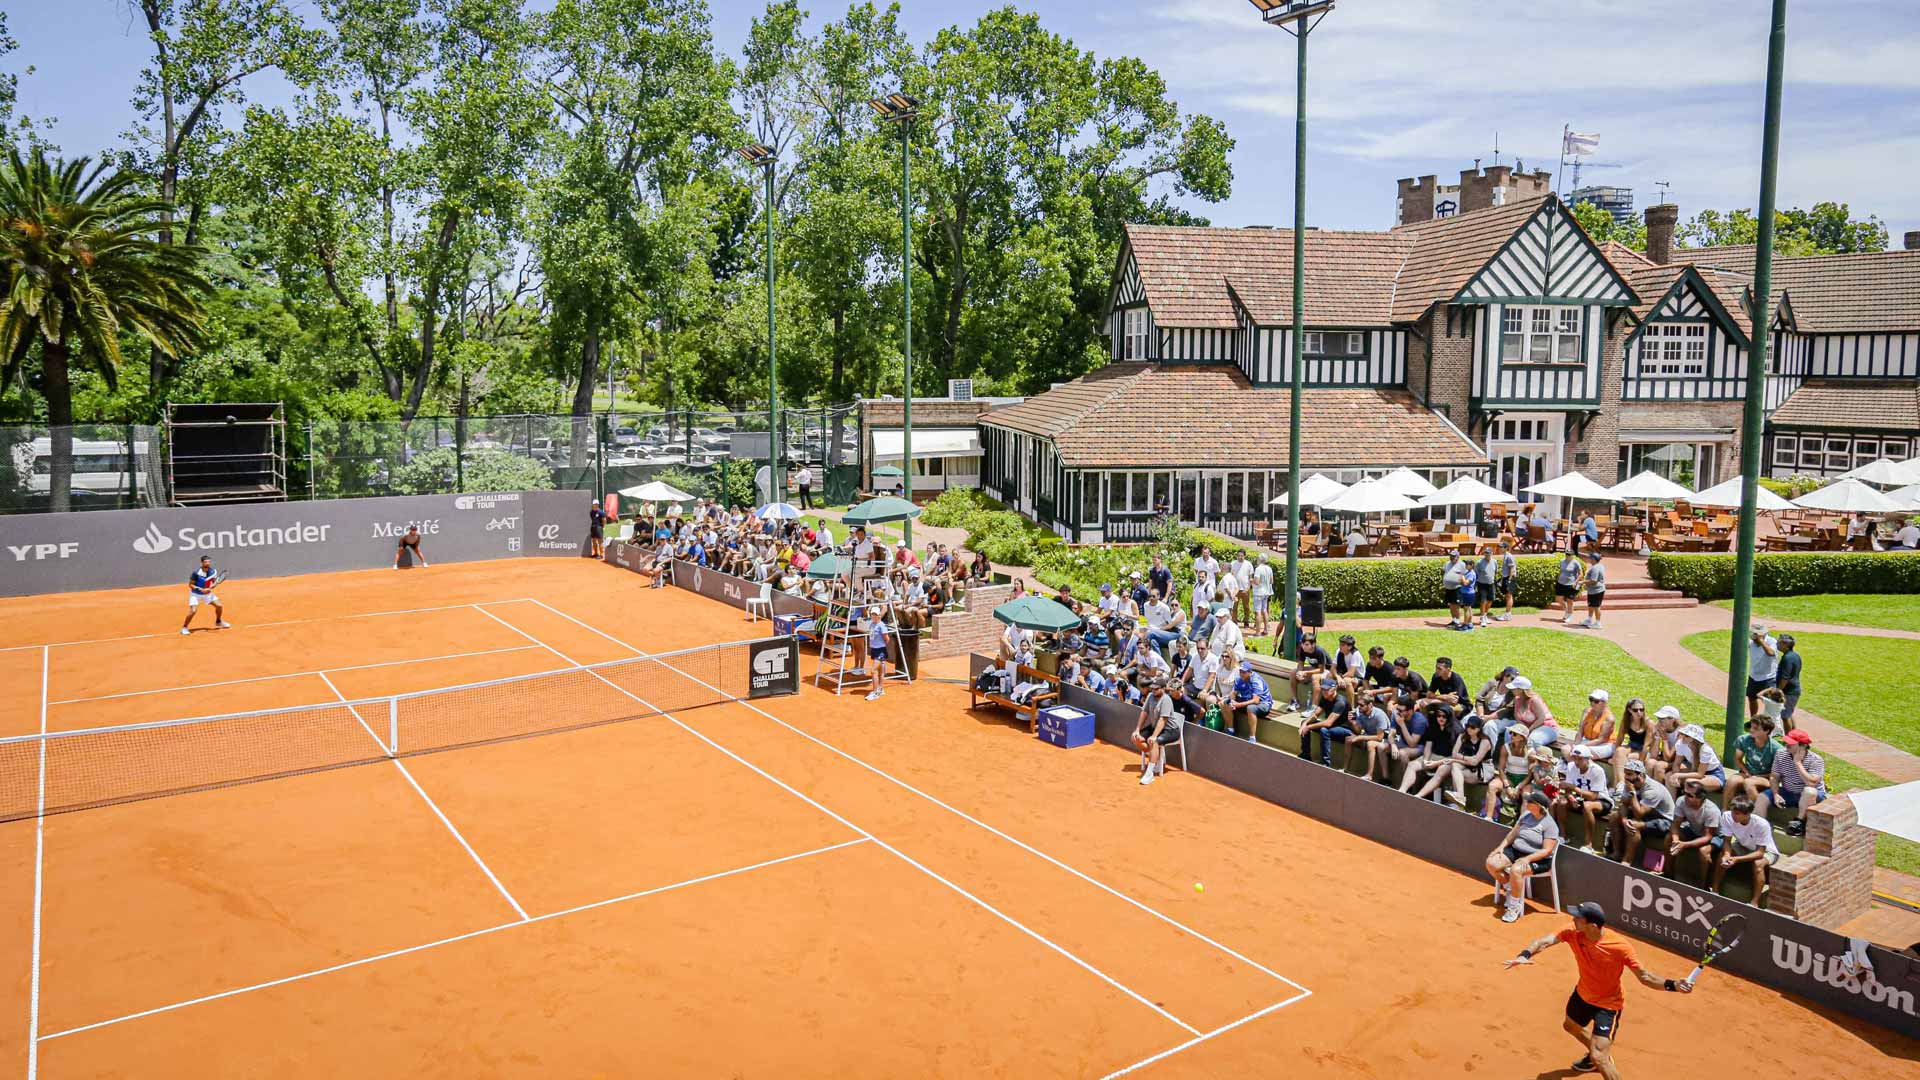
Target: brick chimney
[
  {"x": 1912, "y": 241},
  {"x": 1661, "y": 220}
]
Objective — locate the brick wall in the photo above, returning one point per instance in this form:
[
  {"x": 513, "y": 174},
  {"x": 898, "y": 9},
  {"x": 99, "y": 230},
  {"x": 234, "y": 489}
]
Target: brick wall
[
  {"x": 956, "y": 633},
  {"x": 1448, "y": 384},
  {"x": 1600, "y": 439},
  {"x": 1830, "y": 881}
]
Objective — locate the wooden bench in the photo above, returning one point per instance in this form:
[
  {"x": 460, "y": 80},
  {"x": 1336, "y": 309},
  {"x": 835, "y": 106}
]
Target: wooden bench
[{"x": 1031, "y": 710}]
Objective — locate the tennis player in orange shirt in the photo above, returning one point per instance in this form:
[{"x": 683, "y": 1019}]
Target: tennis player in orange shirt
[{"x": 1597, "y": 999}]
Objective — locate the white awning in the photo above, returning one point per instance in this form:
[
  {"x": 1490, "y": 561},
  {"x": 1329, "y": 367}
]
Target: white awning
[{"x": 927, "y": 442}]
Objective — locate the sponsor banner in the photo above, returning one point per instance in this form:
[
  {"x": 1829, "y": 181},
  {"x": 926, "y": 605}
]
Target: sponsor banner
[
  {"x": 626, "y": 556},
  {"x": 732, "y": 590},
  {"x": 113, "y": 549},
  {"x": 773, "y": 668},
  {"x": 1776, "y": 951}
]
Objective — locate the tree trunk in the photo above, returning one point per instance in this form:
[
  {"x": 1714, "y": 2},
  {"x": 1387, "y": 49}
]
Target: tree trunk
[
  {"x": 836, "y": 390},
  {"x": 57, "y": 384},
  {"x": 583, "y": 396},
  {"x": 430, "y": 311}
]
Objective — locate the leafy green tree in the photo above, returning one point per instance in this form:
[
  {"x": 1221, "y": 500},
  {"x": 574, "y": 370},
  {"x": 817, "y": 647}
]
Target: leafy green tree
[
  {"x": 1602, "y": 227},
  {"x": 1827, "y": 229},
  {"x": 80, "y": 265},
  {"x": 433, "y": 472}
]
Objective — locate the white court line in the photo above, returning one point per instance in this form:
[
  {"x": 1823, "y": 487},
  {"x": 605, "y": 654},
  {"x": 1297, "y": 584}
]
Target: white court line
[
  {"x": 903, "y": 856},
  {"x": 431, "y": 805},
  {"x": 295, "y": 674},
  {"x": 448, "y": 940},
  {"x": 1169, "y": 920},
  {"x": 1198, "y": 1039},
  {"x": 39, "y": 877},
  {"x": 259, "y": 626}
]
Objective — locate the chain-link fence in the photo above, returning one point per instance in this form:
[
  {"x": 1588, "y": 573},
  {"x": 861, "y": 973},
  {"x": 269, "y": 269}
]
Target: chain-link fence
[{"x": 81, "y": 467}]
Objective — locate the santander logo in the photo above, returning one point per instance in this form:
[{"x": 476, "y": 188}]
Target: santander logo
[{"x": 153, "y": 541}]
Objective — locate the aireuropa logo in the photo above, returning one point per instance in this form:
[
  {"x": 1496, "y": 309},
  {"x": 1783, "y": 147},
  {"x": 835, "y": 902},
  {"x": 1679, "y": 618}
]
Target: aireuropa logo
[
  {"x": 485, "y": 502},
  {"x": 188, "y": 538},
  {"x": 1789, "y": 955},
  {"x": 41, "y": 552},
  {"x": 549, "y": 539},
  {"x": 153, "y": 541},
  {"x": 773, "y": 668},
  {"x": 1679, "y": 914}
]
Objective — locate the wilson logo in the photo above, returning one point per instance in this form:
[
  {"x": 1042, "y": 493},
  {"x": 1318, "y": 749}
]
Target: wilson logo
[
  {"x": 1801, "y": 960},
  {"x": 153, "y": 541}
]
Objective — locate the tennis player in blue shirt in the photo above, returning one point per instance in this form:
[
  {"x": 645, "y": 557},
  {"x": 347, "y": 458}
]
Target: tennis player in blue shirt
[{"x": 200, "y": 586}]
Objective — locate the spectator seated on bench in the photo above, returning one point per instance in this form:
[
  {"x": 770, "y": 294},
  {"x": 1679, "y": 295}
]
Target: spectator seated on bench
[{"x": 1018, "y": 686}]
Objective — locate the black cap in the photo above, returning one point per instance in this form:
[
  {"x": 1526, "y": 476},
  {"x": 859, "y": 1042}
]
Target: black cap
[
  {"x": 1589, "y": 911},
  {"x": 1538, "y": 798}
]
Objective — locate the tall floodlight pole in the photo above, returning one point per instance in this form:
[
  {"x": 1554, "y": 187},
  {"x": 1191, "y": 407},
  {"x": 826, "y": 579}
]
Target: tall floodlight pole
[
  {"x": 763, "y": 158},
  {"x": 901, "y": 110},
  {"x": 1752, "y": 418},
  {"x": 1297, "y": 17}
]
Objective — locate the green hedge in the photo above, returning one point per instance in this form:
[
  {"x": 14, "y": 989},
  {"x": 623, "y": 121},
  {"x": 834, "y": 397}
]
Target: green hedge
[{"x": 1710, "y": 577}]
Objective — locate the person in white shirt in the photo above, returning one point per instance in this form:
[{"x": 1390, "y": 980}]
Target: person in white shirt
[
  {"x": 1205, "y": 565},
  {"x": 1355, "y": 539},
  {"x": 1227, "y": 643},
  {"x": 804, "y": 481},
  {"x": 1908, "y": 537},
  {"x": 1693, "y": 759},
  {"x": 1584, "y": 790},
  {"x": 1229, "y": 589},
  {"x": 1262, "y": 594},
  {"x": 1749, "y": 844},
  {"x": 1202, "y": 596},
  {"x": 1203, "y": 675},
  {"x": 1242, "y": 572},
  {"x": 1014, "y": 641}
]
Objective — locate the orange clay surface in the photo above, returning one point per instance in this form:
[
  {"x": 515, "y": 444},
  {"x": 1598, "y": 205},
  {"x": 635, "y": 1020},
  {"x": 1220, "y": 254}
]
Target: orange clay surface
[{"x": 806, "y": 886}]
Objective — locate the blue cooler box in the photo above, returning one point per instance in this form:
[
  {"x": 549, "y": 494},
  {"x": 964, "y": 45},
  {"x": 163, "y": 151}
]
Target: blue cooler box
[{"x": 1066, "y": 726}]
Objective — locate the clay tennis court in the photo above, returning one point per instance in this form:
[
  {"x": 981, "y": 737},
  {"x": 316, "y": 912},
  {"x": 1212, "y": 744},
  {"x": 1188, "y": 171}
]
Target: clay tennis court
[{"x": 801, "y": 886}]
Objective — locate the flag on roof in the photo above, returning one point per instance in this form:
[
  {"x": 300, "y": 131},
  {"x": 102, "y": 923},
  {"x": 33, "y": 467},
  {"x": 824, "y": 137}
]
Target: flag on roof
[{"x": 1580, "y": 145}]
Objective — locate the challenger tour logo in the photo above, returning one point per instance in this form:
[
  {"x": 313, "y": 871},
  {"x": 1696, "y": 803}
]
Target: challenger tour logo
[{"x": 1801, "y": 960}]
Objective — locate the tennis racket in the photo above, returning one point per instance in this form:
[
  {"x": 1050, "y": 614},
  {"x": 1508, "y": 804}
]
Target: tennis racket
[{"x": 1720, "y": 941}]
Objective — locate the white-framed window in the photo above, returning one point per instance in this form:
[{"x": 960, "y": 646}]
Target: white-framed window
[
  {"x": 1895, "y": 449},
  {"x": 1133, "y": 339},
  {"x": 1810, "y": 459},
  {"x": 1511, "y": 430},
  {"x": 1674, "y": 349},
  {"x": 1865, "y": 451},
  {"x": 1137, "y": 492},
  {"x": 1783, "y": 453},
  {"x": 1540, "y": 335},
  {"x": 1321, "y": 343}
]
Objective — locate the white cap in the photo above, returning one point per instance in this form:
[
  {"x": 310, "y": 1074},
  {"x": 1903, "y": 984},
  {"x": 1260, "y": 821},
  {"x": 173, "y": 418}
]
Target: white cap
[
  {"x": 1521, "y": 682},
  {"x": 1597, "y": 695},
  {"x": 1695, "y": 732},
  {"x": 1667, "y": 712},
  {"x": 1581, "y": 751}
]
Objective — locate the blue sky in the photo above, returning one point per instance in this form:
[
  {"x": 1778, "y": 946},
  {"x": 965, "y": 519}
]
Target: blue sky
[{"x": 1399, "y": 88}]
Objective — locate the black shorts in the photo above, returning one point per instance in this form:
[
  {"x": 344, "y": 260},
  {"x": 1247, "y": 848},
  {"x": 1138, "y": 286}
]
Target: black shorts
[
  {"x": 1450, "y": 595},
  {"x": 1168, "y": 735},
  {"x": 1595, "y": 599},
  {"x": 1509, "y": 586},
  {"x": 1514, "y": 855},
  {"x": 594, "y": 532},
  {"x": 1606, "y": 1022},
  {"x": 1564, "y": 592},
  {"x": 1754, "y": 686}
]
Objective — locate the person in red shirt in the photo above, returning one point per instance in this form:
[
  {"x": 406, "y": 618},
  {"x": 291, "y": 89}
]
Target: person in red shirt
[{"x": 1597, "y": 998}]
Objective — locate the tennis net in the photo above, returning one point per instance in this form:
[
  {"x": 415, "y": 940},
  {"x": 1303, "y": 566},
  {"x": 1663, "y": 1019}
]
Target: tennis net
[{"x": 75, "y": 770}]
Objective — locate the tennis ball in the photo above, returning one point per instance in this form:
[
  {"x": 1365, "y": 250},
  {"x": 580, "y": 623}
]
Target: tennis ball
[{"x": 1197, "y": 887}]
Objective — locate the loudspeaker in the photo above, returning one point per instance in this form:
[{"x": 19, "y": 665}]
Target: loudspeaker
[{"x": 1313, "y": 606}]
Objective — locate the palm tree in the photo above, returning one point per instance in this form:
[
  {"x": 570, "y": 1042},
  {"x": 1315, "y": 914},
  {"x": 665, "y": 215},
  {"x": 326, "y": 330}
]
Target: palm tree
[{"x": 80, "y": 266}]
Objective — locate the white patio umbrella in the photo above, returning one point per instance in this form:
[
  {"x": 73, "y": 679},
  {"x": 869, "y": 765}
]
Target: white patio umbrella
[
  {"x": 1907, "y": 497},
  {"x": 1647, "y": 485},
  {"x": 1573, "y": 485},
  {"x": 1726, "y": 495},
  {"x": 1467, "y": 491},
  {"x": 1407, "y": 482},
  {"x": 1847, "y": 497},
  {"x": 657, "y": 491},
  {"x": 779, "y": 512},
  {"x": 1894, "y": 810},
  {"x": 1315, "y": 490},
  {"x": 1370, "y": 497},
  {"x": 1883, "y": 473}
]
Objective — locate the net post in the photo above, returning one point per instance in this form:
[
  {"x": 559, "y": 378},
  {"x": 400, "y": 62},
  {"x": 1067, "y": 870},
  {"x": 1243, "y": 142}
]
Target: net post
[{"x": 393, "y": 725}]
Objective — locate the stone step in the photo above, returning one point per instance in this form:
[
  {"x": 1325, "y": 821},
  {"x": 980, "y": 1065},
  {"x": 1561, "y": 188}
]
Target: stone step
[{"x": 1651, "y": 603}]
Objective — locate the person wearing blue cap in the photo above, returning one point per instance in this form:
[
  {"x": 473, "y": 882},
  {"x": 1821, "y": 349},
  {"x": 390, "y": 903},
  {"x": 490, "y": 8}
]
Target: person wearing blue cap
[
  {"x": 1249, "y": 694},
  {"x": 1597, "y": 999}
]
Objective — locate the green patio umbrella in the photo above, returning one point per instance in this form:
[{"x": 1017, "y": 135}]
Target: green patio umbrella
[
  {"x": 1037, "y": 613},
  {"x": 827, "y": 566},
  {"x": 888, "y": 470},
  {"x": 879, "y": 511}
]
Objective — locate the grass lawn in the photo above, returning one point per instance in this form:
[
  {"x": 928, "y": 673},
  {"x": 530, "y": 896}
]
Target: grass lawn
[
  {"x": 1854, "y": 680},
  {"x": 1416, "y": 613},
  {"x": 1565, "y": 667},
  {"x": 1888, "y": 612}
]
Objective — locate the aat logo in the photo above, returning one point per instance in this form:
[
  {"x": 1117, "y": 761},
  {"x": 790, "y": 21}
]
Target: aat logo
[{"x": 153, "y": 541}]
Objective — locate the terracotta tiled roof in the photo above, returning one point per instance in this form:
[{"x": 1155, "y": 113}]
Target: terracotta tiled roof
[
  {"x": 1866, "y": 292},
  {"x": 1624, "y": 259},
  {"x": 1173, "y": 415},
  {"x": 1187, "y": 270},
  {"x": 1650, "y": 417},
  {"x": 1447, "y": 253},
  {"x": 1851, "y": 404}
]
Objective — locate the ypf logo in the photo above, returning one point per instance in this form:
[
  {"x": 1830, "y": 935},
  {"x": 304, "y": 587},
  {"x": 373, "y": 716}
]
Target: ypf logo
[
  {"x": 153, "y": 541},
  {"x": 40, "y": 552}
]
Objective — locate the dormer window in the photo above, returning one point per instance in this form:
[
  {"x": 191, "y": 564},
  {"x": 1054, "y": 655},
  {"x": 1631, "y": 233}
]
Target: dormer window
[
  {"x": 1133, "y": 341},
  {"x": 1540, "y": 335},
  {"x": 1674, "y": 349},
  {"x": 1316, "y": 343}
]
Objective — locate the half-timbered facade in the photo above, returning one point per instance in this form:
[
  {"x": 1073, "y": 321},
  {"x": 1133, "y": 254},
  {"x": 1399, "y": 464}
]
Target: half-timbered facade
[{"x": 1505, "y": 333}]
